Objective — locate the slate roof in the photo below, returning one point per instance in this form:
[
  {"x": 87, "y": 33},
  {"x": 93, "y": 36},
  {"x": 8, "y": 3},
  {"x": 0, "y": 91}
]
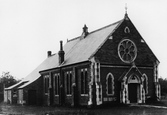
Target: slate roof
[
  {"x": 84, "y": 48},
  {"x": 76, "y": 50},
  {"x": 50, "y": 62},
  {"x": 34, "y": 75},
  {"x": 15, "y": 85}
]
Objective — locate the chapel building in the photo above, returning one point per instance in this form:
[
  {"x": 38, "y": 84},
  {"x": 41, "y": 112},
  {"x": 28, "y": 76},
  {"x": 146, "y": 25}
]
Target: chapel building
[{"x": 112, "y": 64}]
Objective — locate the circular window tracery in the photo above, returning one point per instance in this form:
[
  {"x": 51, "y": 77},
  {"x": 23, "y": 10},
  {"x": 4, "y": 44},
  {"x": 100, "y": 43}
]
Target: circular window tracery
[{"x": 127, "y": 51}]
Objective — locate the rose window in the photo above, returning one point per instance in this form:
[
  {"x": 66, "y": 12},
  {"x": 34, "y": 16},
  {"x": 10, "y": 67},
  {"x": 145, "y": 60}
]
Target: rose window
[{"x": 127, "y": 51}]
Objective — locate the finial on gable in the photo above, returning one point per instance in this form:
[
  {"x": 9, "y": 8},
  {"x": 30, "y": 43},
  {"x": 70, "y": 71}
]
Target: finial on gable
[
  {"x": 126, "y": 15},
  {"x": 126, "y": 8}
]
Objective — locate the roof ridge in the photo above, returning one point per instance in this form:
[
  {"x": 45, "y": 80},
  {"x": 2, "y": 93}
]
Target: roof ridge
[
  {"x": 73, "y": 39},
  {"x": 96, "y": 30},
  {"x": 106, "y": 26}
]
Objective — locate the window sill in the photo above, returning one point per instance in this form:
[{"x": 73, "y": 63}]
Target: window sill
[
  {"x": 46, "y": 93},
  {"x": 84, "y": 94},
  {"x": 110, "y": 94}
]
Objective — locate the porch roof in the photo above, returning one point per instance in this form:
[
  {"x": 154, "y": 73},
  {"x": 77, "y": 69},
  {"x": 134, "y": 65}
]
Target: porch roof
[
  {"x": 126, "y": 72},
  {"x": 13, "y": 86}
]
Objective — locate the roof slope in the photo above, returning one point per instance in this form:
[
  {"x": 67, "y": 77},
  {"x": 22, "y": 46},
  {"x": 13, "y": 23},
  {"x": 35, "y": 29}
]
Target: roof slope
[
  {"x": 81, "y": 49},
  {"x": 76, "y": 50},
  {"x": 34, "y": 75},
  {"x": 86, "y": 47},
  {"x": 16, "y": 85},
  {"x": 50, "y": 62}
]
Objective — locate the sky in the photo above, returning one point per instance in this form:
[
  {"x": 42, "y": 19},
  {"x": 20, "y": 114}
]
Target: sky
[{"x": 30, "y": 28}]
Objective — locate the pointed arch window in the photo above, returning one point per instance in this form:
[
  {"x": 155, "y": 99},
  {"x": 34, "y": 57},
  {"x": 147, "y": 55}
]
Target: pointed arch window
[
  {"x": 110, "y": 84},
  {"x": 145, "y": 83},
  {"x": 69, "y": 82},
  {"x": 46, "y": 82},
  {"x": 84, "y": 82},
  {"x": 57, "y": 77}
]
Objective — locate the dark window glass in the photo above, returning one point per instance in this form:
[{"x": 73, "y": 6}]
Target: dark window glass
[
  {"x": 82, "y": 82},
  {"x": 46, "y": 84},
  {"x": 56, "y": 84},
  {"x": 69, "y": 83},
  {"x": 86, "y": 82},
  {"x": 109, "y": 83},
  {"x": 145, "y": 84}
]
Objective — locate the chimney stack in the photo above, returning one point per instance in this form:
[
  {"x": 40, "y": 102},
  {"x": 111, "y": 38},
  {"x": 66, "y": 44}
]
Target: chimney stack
[
  {"x": 61, "y": 53},
  {"x": 49, "y": 53},
  {"x": 85, "y": 31}
]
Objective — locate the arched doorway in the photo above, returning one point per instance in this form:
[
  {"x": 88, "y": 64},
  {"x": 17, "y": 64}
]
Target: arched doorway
[
  {"x": 133, "y": 88},
  {"x": 133, "y": 92}
]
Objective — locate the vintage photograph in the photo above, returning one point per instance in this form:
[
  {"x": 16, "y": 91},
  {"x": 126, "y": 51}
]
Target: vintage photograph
[{"x": 83, "y": 57}]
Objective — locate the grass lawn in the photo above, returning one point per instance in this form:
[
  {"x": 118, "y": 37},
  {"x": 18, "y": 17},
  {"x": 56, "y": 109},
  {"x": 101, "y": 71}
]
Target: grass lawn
[{"x": 108, "y": 110}]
